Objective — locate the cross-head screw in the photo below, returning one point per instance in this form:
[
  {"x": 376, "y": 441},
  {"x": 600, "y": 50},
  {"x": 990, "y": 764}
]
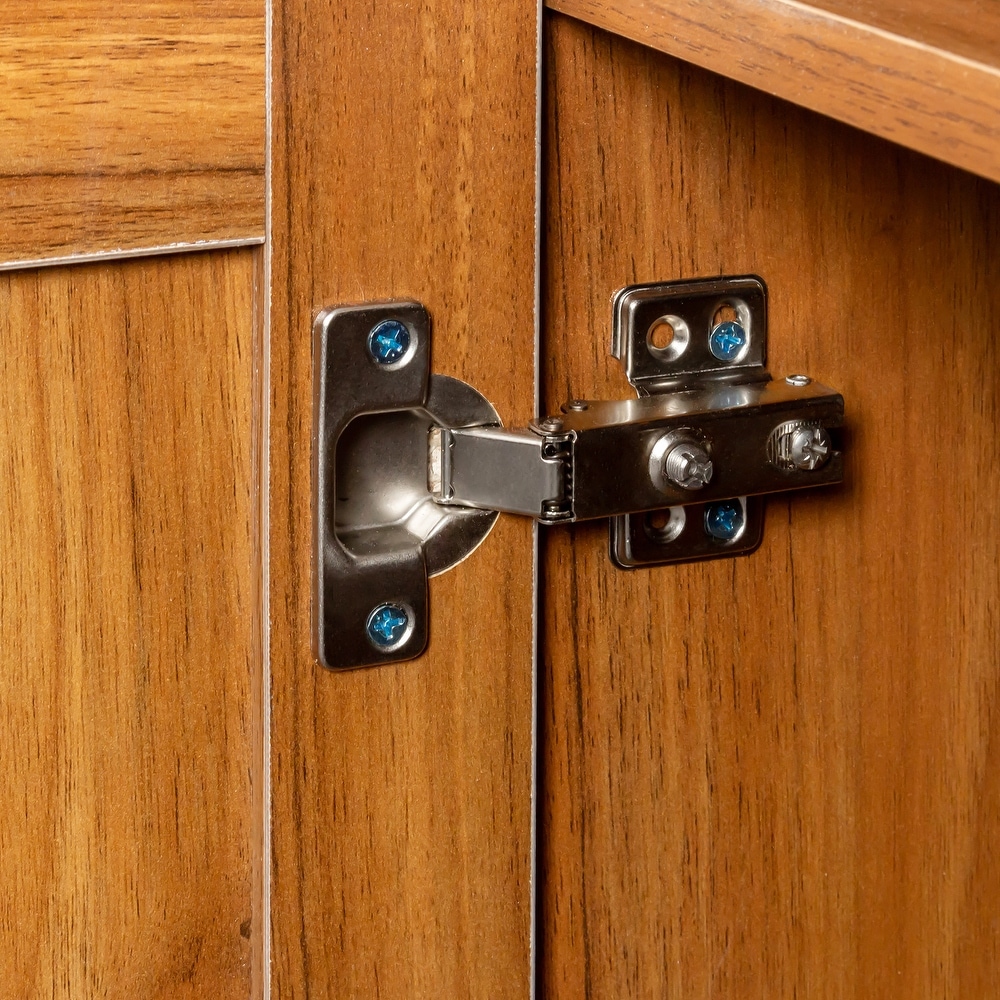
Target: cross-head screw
[
  {"x": 389, "y": 625},
  {"x": 727, "y": 340},
  {"x": 810, "y": 447},
  {"x": 724, "y": 520},
  {"x": 388, "y": 342},
  {"x": 796, "y": 445},
  {"x": 687, "y": 465}
]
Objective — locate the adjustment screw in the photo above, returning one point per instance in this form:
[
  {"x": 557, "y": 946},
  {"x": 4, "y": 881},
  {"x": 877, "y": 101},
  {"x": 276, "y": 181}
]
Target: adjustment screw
[
  {"x": 578, "y": 404},
  {"x": 389, "y": 626},
  {"x": 798, "y": 380},
  {"x": 727, "y": 340},
  {"x": 388, "y": 342},
  {"x": 724, "y": 520},
  {"x": 809, "y": 448},
  {"x": 798, "y": 445},
  {"x": 551, "y": 424},
  {"x": 687, "y": 465}
]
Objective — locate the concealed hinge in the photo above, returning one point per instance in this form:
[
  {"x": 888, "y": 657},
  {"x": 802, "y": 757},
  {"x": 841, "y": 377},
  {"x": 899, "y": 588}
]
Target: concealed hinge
[{"x": 411, "y": 468}]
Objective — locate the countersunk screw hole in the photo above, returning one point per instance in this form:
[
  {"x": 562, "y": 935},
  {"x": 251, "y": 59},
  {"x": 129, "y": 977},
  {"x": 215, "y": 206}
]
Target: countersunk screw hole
[
  {"x": 729, "y": 339},
  {"x": 667, "y": 338},
  {"x": 663, "y": 526},
  {"x": 661, "y": 336}
]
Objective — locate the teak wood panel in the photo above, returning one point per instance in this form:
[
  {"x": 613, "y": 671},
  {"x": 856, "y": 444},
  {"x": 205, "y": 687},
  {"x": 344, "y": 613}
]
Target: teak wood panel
[
  {"x": 777, "y": 775},
  {"x": 131, "y": 126},
  {"x": 126, "y": 621},
  {"x": 967, "y": 28},
  {"x": 925, "y": 77},
  {"x": 404, "y": 167}
]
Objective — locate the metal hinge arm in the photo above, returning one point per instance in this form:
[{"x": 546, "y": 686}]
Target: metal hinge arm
[
  {"x": 605, "y": 458},
  {"x": 514, "y": 471}
]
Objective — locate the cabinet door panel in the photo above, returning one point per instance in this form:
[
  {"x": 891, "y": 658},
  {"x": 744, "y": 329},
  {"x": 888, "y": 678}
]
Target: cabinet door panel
[
  {"x": 128, "y": 614},
  {"x": 777, "y": 775},
  {"x": 128, "y": 127}
]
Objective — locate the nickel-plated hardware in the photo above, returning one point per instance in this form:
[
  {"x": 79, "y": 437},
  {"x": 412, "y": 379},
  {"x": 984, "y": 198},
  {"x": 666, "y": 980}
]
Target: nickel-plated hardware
[{"x": 411, "y": 468}]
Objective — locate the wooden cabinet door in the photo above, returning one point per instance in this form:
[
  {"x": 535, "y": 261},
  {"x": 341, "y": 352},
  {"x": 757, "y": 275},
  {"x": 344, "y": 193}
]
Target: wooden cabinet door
[
  {"x": 130, "y": 722},
  {"x": 156, "y": 445},
  {"x": 777, "y": 775}
]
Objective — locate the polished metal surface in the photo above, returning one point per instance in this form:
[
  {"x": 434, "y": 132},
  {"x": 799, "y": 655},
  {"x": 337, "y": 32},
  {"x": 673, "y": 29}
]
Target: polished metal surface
[
  {"x": 718, "y": 388},
  {"x": 691, "y": 309},
  {"x": 611, "y": 458},
  {"x": 520, "y": 472},
  {"x": 660, "y": 537},
  {"x": 410, "y": 469},
  {"x": 680, "y": 459},
  {"x": 799, "y": 445},
  {"x": 378, "y": 534},
  {"x": 613, "y": 444}
]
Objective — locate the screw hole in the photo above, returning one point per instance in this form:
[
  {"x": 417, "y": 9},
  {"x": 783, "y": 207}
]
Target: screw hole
[
  {"x": 729, "y": 333},
  {"x": 667, "y": 338},
  {"x": 663, "y": 526},
  {"x": 661, "y": 336},
  {"x": 725, "y": 520},
  {"x": 726, "y": 313}
]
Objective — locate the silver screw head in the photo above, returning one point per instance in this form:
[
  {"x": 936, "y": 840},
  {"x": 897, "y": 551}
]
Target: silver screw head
[
  {"x": 551, "y": 424},
  {"x": 680, "y": 459},
  {"x": 798, "y": 380},
  {"x": 809, "y": 448},
  {"x": 797, "y": 445},
  {"x": 687, "y": 465}
]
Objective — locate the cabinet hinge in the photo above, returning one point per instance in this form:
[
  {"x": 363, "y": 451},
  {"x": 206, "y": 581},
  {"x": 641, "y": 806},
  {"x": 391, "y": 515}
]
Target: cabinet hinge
[{"x": 411, "y": 468}]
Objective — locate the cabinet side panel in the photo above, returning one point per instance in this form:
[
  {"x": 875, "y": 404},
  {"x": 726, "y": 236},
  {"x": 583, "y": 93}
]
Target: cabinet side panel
[
  {"x": 404, "y": 167},
  {"x": 131, "y": 126},
  {"x": 125, "y": 619},
  {"x": 777, "y": 775}
]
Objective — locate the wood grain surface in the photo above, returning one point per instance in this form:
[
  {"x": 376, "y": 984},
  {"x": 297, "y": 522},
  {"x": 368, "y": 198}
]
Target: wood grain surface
[
  {"x": 777, "y": 776},
  {"x": 129, "y": 126},
  {"x": 968, "y": 28},
  {"x": 126, "y": 611},
  {"x": 404, "y": 167},
  {"x": 924, "y": 75}
]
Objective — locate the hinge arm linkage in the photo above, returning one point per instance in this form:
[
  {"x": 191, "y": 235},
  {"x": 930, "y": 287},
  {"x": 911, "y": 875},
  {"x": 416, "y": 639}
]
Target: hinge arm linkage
[
  {"x": 515, "y": 471},
  {"x": 610, "y": 458}
]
